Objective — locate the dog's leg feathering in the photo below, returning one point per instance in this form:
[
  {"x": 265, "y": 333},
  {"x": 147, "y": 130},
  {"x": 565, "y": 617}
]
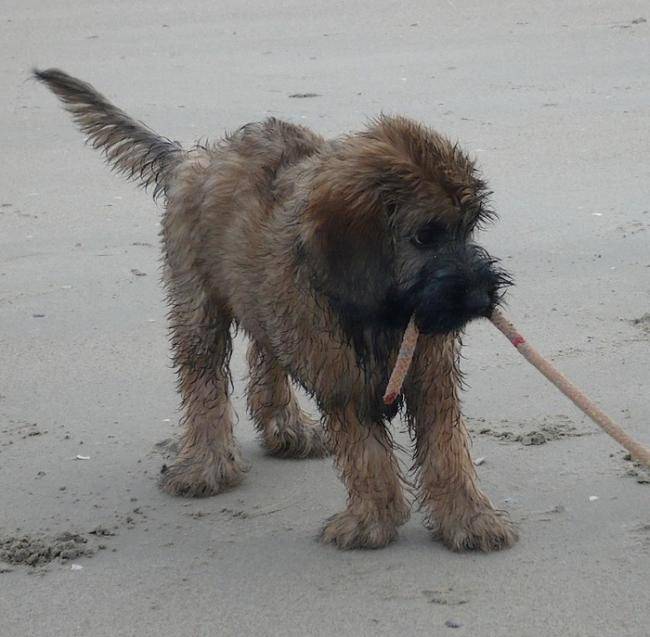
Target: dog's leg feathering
[
  {"x": 376, "y": 503},
  {"x": 460, "y": 514},
  {"x": 286, "y": 430},
  {"x": 209, "y": 460}
]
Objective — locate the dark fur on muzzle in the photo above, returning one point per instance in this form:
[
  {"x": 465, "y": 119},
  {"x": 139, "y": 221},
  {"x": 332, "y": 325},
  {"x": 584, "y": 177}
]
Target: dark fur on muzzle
[{"x": 460, "y": 283}]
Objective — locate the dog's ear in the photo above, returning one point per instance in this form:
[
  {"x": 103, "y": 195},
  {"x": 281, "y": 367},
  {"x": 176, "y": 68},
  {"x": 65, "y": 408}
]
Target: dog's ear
[{"x": 346, "y": 235}]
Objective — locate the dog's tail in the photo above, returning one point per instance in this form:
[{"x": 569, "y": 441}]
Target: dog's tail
[{"x": 130, "y": 147}]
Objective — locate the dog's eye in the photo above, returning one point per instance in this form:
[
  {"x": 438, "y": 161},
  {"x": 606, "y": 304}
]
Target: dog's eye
[{"x": 428, "y": 235}]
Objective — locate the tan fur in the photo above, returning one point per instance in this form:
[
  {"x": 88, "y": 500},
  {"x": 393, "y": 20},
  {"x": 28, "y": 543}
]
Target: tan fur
[
  {"x": 286, "y": 430},
  {"x": 279, "y": 232},
  {"x": 376, "y": 504},
  {"x": 459, "y": 512}
]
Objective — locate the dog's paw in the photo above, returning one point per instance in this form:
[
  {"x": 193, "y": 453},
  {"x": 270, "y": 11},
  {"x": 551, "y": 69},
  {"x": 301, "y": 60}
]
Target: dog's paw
[
  {"x": 351, "y": 530},
  {"x": 204, "y": 473},
  {"x": 295, "y": 437},
  {"x": 485, "y": 530}
]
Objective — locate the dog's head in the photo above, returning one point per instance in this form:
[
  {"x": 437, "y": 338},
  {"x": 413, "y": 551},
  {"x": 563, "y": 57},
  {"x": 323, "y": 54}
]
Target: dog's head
[{"x": 388, "y": 228}]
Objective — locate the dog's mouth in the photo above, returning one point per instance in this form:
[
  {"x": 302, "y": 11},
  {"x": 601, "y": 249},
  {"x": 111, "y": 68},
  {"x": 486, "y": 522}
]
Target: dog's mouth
[
  {"x": 451, "y": 319},
  {"x": 457, "y": 288}
]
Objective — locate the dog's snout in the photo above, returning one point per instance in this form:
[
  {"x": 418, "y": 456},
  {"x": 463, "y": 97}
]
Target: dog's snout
[{"x": 463, "y": 283}]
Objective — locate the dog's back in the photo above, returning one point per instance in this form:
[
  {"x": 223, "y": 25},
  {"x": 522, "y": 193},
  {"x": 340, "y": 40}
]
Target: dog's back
[
  {"x": 206, "y": 187},
  {"x": 221, "y": 200}
]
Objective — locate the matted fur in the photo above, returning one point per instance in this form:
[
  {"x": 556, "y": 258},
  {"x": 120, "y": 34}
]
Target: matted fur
[{"x": 319, "y": 251}]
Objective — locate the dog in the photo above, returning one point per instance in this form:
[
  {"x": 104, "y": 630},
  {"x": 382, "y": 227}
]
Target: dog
[{"x": 320, "y": 251}]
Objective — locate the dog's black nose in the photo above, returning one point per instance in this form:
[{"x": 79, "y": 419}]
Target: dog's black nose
[{"x": 477, "y": 302}]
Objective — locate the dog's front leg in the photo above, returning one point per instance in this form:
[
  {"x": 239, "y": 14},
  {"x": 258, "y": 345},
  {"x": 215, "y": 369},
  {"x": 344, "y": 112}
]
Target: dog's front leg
[
  {"x": 376, "y": 503},
  {"x": 459, "y": 512}
]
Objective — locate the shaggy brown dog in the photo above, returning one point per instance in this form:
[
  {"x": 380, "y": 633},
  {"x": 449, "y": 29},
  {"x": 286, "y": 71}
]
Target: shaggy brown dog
[{"x": 320, "y": 251}]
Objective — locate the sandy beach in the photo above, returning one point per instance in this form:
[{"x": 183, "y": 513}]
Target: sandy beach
[{"x": 553, "y": 99}]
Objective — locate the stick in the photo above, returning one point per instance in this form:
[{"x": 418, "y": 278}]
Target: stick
[
  {"x": 637, "y": 450},
  {"x": 402, "y": 364}
]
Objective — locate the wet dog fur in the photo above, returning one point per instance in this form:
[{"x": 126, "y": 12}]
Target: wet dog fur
[{"x": 320, "y": 251}]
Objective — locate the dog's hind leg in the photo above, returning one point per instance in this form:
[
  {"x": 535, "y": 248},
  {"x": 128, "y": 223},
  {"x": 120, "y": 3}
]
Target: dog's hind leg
[
  {"x": 460, "y": 514},
  {"x": 209, "y": 460},
  {"x": 286, "y": 430},
  {"x": 376, "y": 503}
]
